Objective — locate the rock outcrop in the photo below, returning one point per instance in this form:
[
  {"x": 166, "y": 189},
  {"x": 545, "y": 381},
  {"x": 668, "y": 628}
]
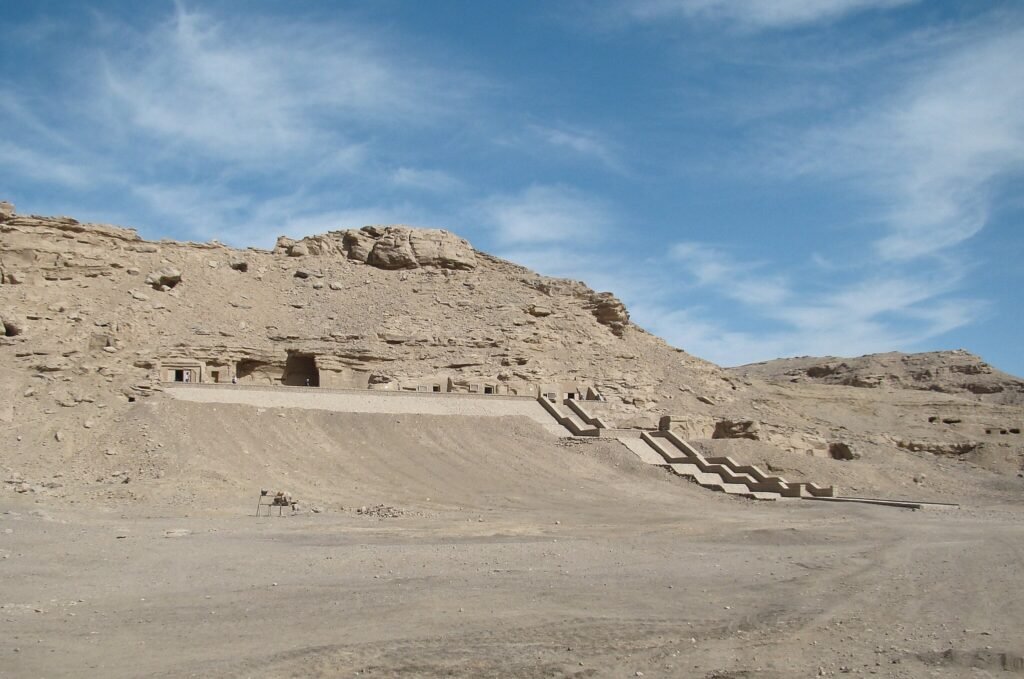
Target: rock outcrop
[
  {"x": 953, "y": 449},
  {"x": 163, "y": 279},
  {"x": 9, "y": 325},
  {"x": 388, "y": 247},
  {"x": 743, "y": 429},
  {"x": 610, "y": 311},
  {"x": 838, "y": 450}
]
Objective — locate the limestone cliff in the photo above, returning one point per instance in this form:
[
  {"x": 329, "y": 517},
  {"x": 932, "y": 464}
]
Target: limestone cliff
[{"x": 381, "y": 307}]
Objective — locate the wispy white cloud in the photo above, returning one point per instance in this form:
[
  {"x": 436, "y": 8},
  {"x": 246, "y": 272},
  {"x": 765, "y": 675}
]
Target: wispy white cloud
[
  {"x": 741, "y": 280},
  {"x": 754, "y": 14},
  {"x": 932, "y": 158},
  {"x": 205, "y": 212},
  {"x": 731, "y": 310},
  {"x": 703, "y": 332},
  {"x": 239, "y": 128},
  {"x": 579, "y": 142},
  {"x": 933, "y": 153},
  {"x": 259, "y": 89},
  {"x": 49, "y": 168},
  {"x": 436, "y": 181},
  {"x": 195, "y": 211},
  {"x": 545, "y": 214},
  {"x": 859, "y": 314}
]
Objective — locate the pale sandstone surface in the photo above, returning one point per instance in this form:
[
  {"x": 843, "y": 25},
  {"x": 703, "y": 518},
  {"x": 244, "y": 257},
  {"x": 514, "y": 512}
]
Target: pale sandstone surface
[{"x": 557, "y": 552}]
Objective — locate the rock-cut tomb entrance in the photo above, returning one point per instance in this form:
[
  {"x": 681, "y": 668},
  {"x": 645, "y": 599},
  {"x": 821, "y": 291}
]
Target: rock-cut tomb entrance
[{"x": 300, "y": 371}]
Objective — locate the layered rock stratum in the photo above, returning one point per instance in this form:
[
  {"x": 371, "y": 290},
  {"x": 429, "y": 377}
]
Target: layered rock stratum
[{"x": 96, "y": 321}]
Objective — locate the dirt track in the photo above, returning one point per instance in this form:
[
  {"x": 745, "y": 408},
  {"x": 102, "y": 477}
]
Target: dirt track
[{"x": 629, "y": 570}]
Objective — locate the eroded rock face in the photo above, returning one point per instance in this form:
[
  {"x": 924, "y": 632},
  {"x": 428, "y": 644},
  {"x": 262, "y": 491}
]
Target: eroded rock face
[
  {"x": 688, "y": 426},
  {"x": 393, "y": 250},
  {"x": 167, "y": 277},
  {"x": 737, "y": 429},
  {"x": 387, "y": 247},
  {"x": 952, "y": 449},
  {"x": 538, "y": 310},
  {"x": 819, "y": 371},
  {"x": 400, "y": 247},
  {"x": 838, "y": 450},
  {"x": 6, "y": 211},
  {"x": 10, "y": 326},
  {"x": 358, "y": 245},
  {"x": 610, "y": 311}
]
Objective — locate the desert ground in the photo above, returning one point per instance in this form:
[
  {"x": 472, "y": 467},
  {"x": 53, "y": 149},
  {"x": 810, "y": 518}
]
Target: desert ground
[
  {"x": 487, "y": 547},
  {"x": 447, "y": 523}
]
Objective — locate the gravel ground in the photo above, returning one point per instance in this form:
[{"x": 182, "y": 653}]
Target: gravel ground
[{"x": 736, "y": 589}]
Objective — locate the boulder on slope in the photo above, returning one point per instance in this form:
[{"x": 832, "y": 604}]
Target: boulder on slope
[{"x": 167, "y": 276}]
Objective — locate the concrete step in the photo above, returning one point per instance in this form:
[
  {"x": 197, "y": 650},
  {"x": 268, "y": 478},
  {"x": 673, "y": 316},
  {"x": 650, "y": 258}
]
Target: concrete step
[
  {"x": 706, "y": 479},
  {"x": 642, "y": 450},
  {"x": 729, "y": 474},
  {"x": 575, "y": 419},
  {"x": 713, "y": 482},
  {"x": 694, "y": 471},
  {"x": 735, "y": 489}
]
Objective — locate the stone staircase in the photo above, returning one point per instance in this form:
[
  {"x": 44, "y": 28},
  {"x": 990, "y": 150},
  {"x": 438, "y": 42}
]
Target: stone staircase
[
  {"x": 572, "y": 421},
  {"x": 666, "y": 449},
  {"x": 586, "y": 417},
  {"x": 723, "y": 473}
]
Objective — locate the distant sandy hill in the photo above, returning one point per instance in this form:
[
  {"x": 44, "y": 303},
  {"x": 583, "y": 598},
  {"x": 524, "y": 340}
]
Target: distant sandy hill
[{"x": 949, "y": 372}]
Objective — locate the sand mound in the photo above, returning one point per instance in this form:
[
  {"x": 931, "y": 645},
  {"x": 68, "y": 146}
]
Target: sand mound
[{"x": 215, "y": 457}]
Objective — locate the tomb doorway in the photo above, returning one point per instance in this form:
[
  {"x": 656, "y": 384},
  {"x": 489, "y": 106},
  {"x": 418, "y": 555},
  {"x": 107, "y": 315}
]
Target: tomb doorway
[{"x": 300, "y": 371}]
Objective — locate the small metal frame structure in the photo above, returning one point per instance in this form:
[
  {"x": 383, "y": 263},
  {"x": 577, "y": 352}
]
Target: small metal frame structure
[{"x": 270, "y": 500}]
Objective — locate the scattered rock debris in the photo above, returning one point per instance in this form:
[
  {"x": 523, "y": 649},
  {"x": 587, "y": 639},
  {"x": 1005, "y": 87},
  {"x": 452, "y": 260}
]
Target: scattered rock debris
[{"x": 381, "y": 511}]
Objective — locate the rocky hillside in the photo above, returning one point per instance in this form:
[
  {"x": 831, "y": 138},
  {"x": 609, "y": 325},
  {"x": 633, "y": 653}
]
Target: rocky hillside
[
  {"x": 948, "y": 372},
  {"x": 381, "y": 307},
  {"x": 94, "y": 321}
]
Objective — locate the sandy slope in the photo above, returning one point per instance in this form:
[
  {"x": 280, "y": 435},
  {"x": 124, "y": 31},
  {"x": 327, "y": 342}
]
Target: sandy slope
[{"x": 197, "y": 457}]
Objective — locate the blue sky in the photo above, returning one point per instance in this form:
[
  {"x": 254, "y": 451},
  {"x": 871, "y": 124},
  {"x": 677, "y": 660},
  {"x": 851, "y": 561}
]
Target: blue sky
[{"x": 754, "y": 178}]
